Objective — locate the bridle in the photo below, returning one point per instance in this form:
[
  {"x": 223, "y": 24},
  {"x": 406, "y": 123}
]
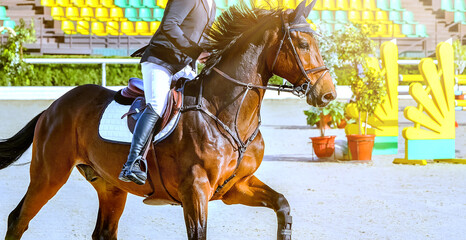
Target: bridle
[
  {"x": 307, "y": 86},
  {"x": 301, "y": 91}
]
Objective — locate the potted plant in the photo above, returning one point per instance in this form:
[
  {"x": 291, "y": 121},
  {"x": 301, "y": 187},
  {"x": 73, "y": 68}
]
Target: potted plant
[
  {"x": 332, "y": 114},
  {"x": 368, "y": 92},
  {"x": 353, "y": 46}
]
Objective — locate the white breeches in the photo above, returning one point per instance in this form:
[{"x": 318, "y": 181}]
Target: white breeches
[{"x": 157, "y": 80}]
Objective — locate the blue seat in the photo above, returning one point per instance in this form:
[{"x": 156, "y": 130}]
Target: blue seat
[
  {"x": 421, "y": 30},
  {"x": 132, "y": 14},
  {"x": 341, "y": 17},
  {"x": 407, "y": 29},
  {"x": 408, "y": 17},
  {"x": 446, "y": 5},
  {"x": 327, "y": 17},
  {"x": 395, "y": 17},
  {"x": 158, "y": 14},
  {"x": 314, "y": 16},
  {"x": 459, "y": 6},
  {"x": 396, "y": 5},
  {"x": 3, "y": 13},
  {"x": 8, "y": 23},
  {"x": 122, "y": 3},
  {"x": 383, "y": 5},
  {"x": 459, "y": 17}
]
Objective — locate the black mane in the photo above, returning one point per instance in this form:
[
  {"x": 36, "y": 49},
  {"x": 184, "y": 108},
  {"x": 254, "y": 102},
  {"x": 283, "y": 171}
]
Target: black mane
[{"x": 230, "y": 26}]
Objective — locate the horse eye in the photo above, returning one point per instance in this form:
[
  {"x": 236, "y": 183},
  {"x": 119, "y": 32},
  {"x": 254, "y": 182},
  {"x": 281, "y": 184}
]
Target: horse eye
[{"x": 304, "y": 45}]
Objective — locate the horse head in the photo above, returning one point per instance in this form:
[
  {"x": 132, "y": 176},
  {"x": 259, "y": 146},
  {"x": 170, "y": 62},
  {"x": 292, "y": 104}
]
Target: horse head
[{"x": 294, "y": 55}]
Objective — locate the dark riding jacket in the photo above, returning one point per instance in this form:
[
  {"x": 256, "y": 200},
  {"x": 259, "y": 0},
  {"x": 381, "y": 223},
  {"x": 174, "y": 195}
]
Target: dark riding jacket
[{"x": 178, "y": 40}]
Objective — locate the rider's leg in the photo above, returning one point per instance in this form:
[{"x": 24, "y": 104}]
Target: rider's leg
[{"x": 157, "y": 81}]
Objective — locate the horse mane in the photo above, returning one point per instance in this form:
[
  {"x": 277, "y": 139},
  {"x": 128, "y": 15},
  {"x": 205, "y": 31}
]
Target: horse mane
[{"x": 230, "y": 26}]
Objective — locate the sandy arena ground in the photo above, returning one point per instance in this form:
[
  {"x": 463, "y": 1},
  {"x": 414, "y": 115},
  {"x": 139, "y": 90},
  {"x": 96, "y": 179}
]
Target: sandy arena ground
[{"x": 329, "y": 200}]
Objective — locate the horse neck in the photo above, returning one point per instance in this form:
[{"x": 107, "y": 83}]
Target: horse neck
[{"x": 225, "y": 98}]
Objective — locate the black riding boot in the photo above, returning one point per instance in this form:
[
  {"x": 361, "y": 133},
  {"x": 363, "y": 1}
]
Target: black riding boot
[{"x": 144, "y": 126}]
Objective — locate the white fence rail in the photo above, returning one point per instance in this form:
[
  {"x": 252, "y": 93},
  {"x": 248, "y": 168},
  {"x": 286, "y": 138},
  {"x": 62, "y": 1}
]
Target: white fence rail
[{"x": 52, "y": 93}]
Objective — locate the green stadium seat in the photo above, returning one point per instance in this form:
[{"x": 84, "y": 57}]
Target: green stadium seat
[
  {"x": 9, "y": 23},
  {"x": 79, "y": 3},
  {"x": 355, "y": 5},
  {"x": 146, "y": 14},
  {"x": 367, "y": 16},
  {"x": 381, "y": 17},
  {"x": 342, "y": 5},
  {"x": 149, "y": 3},
  {"x": 341, "y": 17},
  {"x": 82, "y": 27},
  {"x": 132, "y": 15},
  {"x": 127, "y": 28},
  {"x": 459, "y": 17},
  {"x": 93, "y": 3},
  {"x": 3, "y": 15},
  {"x": 408, "y": 17},
  {"x": 154, "y": 26},
  {"x": 327, "y": 16},
  {"x": 395, "y": 16},
  {"x": 162, "y": 3},
  {"x": 57, "y": 13},
  {"x": 328, "y": 5},
  {"x": 421, "y": 30},
  {"x": 68, "y": 27},
  {"x": 354, "y": 16},
  {"x": 122, "y": 3},
  {"x": 459, "y": 6},
  {"x": 396, "y": 5},
  {"x": 447, "y": 5},
  {"x": 47, "y": 3},
  {"x": 63, "y": 3},
  {"x": 383, "y": 5},
  {"x": 101, "y": 14},
  {"x": 98, "y": 29},
  {"x": 407, "y": 29},
  {"x": 72, "y": 13},
  {"x": 142, "y": 28},
  {"x": 369, "y": 5},
  {"x": 136, "y": 3},
  {"x": 107, "y": 3},
  {"x": 112, "y": 28},
  {"x": 87, "y": 14},
  {"x": 314, "y": 16},
  {"x": 116, "y": 14},
  {"x": 158, "y": 14}
]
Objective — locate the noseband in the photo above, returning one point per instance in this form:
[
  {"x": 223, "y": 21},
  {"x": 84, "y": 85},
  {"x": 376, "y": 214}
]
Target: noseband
[{"x": 307, "y": 87}]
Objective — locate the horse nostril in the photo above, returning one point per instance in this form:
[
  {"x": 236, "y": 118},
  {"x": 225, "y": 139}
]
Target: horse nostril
[{"x": 328, "y": 97}]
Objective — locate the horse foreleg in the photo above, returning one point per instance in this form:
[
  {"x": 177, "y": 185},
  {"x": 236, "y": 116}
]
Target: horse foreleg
[
  {"x": 111, "y": 205},
  {"x": 252, "y": 192},
  {"x": 194, "y": 195}
]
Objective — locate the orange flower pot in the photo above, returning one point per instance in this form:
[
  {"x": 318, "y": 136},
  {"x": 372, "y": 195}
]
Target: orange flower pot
[
  {"x": 323, "y": 146},
  {"x": 361, "y": 146}
]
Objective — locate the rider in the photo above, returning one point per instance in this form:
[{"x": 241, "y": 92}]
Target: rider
[{"x": 174, "y": 47}]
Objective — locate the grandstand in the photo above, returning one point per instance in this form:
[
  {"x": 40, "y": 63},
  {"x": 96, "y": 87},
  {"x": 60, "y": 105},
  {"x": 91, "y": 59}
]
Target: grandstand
[{"x": 117, "y": 27}]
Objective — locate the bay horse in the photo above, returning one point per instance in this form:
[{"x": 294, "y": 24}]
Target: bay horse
[{"x": 216, "y": 147}]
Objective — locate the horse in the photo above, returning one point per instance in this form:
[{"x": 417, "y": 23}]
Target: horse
[{"x": 215, "y": 149}]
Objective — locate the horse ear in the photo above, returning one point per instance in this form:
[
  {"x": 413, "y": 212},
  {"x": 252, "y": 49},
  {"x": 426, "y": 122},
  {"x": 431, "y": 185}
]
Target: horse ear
[{"x": 302, "y": 10}]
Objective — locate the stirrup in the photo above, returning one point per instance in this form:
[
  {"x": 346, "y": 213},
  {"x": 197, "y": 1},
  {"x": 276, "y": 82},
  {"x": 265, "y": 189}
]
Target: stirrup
[{"x": 129, "y": 175}]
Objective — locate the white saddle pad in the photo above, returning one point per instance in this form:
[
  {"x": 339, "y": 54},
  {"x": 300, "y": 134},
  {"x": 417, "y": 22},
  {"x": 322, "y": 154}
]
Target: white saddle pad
[{"x": 114, "y": 129}]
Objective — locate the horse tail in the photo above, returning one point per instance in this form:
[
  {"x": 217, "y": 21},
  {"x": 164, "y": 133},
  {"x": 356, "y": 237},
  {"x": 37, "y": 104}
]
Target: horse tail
[{"x": 11, "y": 149}]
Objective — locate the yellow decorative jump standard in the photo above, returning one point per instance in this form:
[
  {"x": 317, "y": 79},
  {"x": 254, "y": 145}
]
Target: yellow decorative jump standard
[
  {"x": 384, "y": 122},
  {"x": 433, "y": 134}
]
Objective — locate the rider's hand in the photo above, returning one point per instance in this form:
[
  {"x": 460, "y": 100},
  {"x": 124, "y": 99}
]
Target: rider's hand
[{"x": 203, "y": 57}]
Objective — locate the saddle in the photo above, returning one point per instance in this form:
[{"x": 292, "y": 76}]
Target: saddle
[{"x": 134, "y": 93}]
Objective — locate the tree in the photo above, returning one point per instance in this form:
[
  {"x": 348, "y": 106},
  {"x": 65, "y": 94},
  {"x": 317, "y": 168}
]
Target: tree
[{"x": 14, "y": 69}]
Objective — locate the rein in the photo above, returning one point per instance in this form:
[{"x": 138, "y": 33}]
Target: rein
[{"x": 300, "y": 91}]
